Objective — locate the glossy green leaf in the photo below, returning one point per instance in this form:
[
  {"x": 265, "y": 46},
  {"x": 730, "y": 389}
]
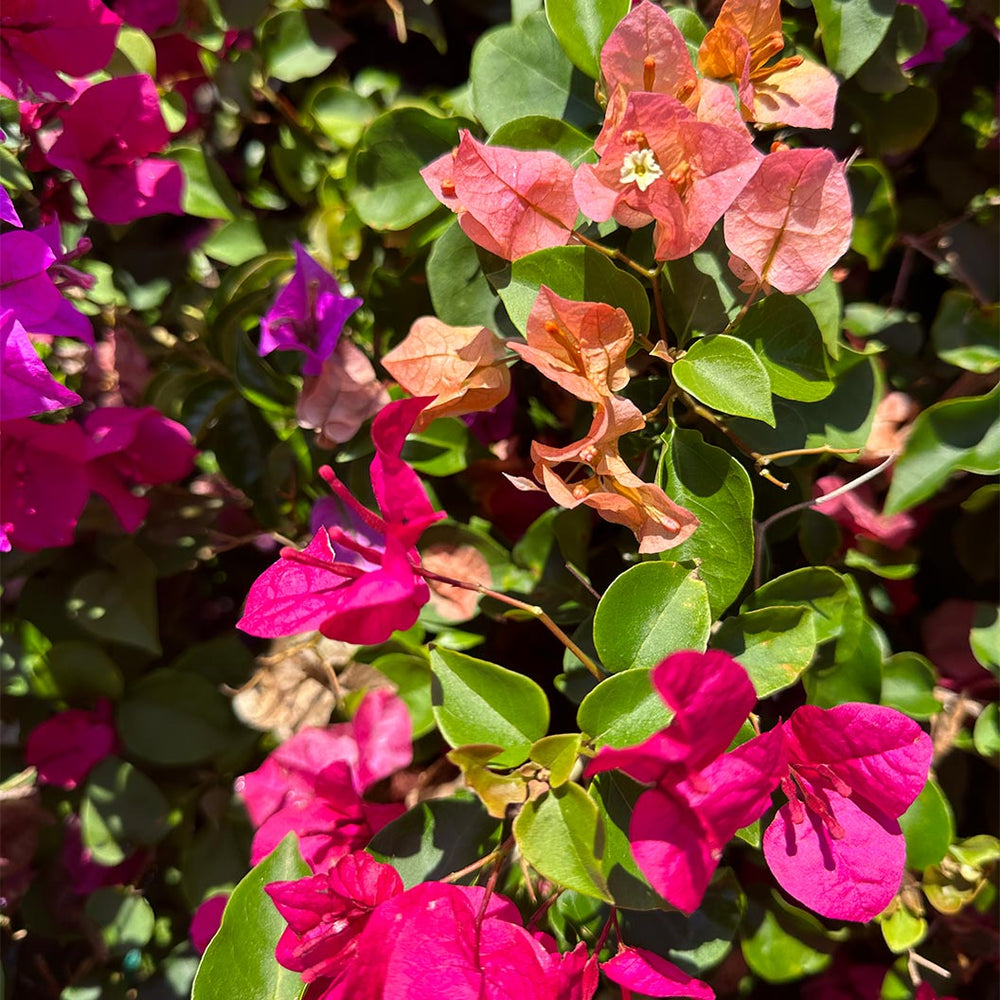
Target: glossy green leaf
[
  {"x": 774, "y": 645},
  {"x": 577, "y": 273},
  {"x": 984, "y": 637},
  {"x": 299, "y": 44},
  {"x": 841, "y": 420},
  {"x": 479, "y": 702},
  {"x": 239, "y": 960},
  {"x": 929, "y": 827},
  {"x": 851, "y": 31},
  {"x": 986, "y": 734},
  {"x": 436, "y": 838},
  {"x": 819, "y": 588},
  {"x": 208, "y": 193},
  {"x": 520, "y": 69},
  {"x": 122, "y": 809},
  {"x": 124, "y": 918},
  {"x": 616, "y": 794},
  {"x": 561, "y": 836},
  {"x": 172, "y": 718},
  {"x": 952, "y": 436},
  {"x": 908, "y": 681},
  {"x": 826, "y": 305},
  {"x": 387, "y": 190},
  {"x": 785, "y": 336},
  {"x": 340, "y": 112},
  {"x": 692, "y": 27},
  {"x": 235, "y": 243},
  {"x": 439, "y": 449},
  {"x": 873, "y": 199},
  {"x": 782, "y": 943},
  {"x": 623, "y": 710},
  {"x": 411, "y": 676},
  {"x": 903, "y": 930},
  {"x": 650, "y": 611},
  {"x": 965, "y": 334},
  {"x": 724, "y": 373},
  {"x": 582, "y": 28},
  {"x": 715, "y": 487},
  {"x": 82, "y": 670},
  {"x": 558, "y": 754},
  {"x": 539, "y": 132},
  {"x": 459, "y": 291}
]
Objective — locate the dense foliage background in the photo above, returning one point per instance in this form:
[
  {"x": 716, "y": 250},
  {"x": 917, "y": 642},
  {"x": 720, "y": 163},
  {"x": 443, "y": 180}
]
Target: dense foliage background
[{"x": 310, "y": 121}]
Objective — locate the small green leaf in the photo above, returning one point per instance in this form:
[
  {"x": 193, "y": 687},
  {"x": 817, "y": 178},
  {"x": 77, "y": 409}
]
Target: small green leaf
[
  {"x": 852, "y": 30},
  {"x": 208, "y": 193},
  {"x": 239, "y": 960},
  {"x": 582, "y": 28},
  {"x": 459, "y": 291},
  {"x": 412, "y": 677},
  {"x": 984, "y": 638},
  {"x": 650, "y": 611},
  {"x": 774, "y": 645},
  {"x": 782, "y": 943},
  {"x": 439, "y": 449},
  {"x": 386, "y": 187},
  {"x": 436, "y": 838},
  {"x": 929, "y": 827},
  {"x": 479, "y": 702},
  {"x": 965, "y": 333},
  {"x": 577, "y": 273},
  {"x": 716, "y": 488},
  {"x": 725, "y": 374},
  {"x": 903, "y": 930},
  {"x": 873, "y": 199},
  {"x": 82, "y": 670},
  {"x": 299, "y": 44},
  {"x": 124, "y": 918},
  {"x": 340, "y": 112},
  {"x": 561, "y": 836},
  {"x": 952, "y": 436},
  {"x": 553, "y": 134},
  {"x": 908, "y": 685},
  {"x": 817, "y": 587},
  {"x": 986, "y": 735},
  {"x": 623, "y": 710},
  {"x": 558, "y": 754},
  {"x": 537, "y": 77}
]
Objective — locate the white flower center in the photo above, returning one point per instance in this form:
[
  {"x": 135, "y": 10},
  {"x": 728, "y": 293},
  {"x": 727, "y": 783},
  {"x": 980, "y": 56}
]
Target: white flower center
[{"x": 641, "y": 167}]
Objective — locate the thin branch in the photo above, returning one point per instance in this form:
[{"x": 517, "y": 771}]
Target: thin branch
[
  {"x": 531, "y": 609},
  {"x": 761, "y": 529},
  {"x": 617, "y": 255},
  {"x": 582, "y": 580},
  {"x": 823, "y": 449},
  {"x": 496, "y": 854},
  {"x": 661, "y": 321}
]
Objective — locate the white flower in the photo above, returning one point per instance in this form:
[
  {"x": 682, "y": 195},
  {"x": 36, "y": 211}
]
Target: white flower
[{"x": 640, "y": 166}]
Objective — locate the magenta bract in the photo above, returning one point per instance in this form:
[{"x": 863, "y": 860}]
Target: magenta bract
[
  {"x": 65, "y": 748},
  {"x": 26, "y": 387}
]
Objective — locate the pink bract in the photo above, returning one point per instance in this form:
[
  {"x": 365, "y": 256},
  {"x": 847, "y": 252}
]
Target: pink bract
[
  {"x": 108, "y": 134},
  {"x": 647, "y": 973},
  {"x": 836, "y": 846},
  {"x": 313, "y": 783},
  {"x": 206, "y": 920},
  {"x": 857, "y": 514},
  {"x": 65, "y": 748},
  {"x": 26, "y": 387}
]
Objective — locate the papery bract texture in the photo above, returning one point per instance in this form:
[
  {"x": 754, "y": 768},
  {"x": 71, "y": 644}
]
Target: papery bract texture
[
  {"x": 647, "y": 973},
  {"x": 579, "y": 345},
  {"x": 461, "y": 367},
  {"x": 108, "y": 134},
  {"x": 308, "y": 315},
  {"x": 313, "y": 783},
  {"x": 42, "y": 38},
  {"x": 43, "y": 482},
  {"x": 26, "y": 387},
  {"x": 65, "y": 748},
  {"x": 206, "y": 920},
  {"x": 509, "y": 201},
  {"x": 661, "y": 163},
  {"x": 836, "y": 846},
  {"x": 342, "y": 397},
  {"x": 7, "y": 211},
  {"x": 943, "y": 31},
  {"x": 793, "y": 221}
]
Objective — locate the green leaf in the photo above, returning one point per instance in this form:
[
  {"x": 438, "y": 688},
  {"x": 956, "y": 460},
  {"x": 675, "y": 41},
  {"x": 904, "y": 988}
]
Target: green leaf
[
  {"x": 952, "y": 436},
  {"x": 986, "y": 735},
  {"x": 557, "y": 753},
  {"x": 711, "y": 484},
  {"x": 439, "y": 449},
  {"x": 893, "y": 124},
  {"x": 774, "y": 645},
  {"x": 537, "y": 77},
  {"x": 692, "y": 27},
  {"x": 873, "y": 199},
  {"x": 578, "y": 273},
  {"x": 340, "y": 112},
  {"x": 124, "y": 918},
  {"x": 852, "y": 669},
  {"x": 134, "y": 53},
  {"x": 239, "y": 961},
  {"x": 851, "y": 31},
  {"x": 902, "y": 929},
  {"x": 235, "y": 243},
  {"x": 174, "y": 719},
  {"x": 616, "y": 794},
  {"x": 208, "y": 193},
  {"x": 479, "y": 702},
  {"x": 121, "y": 809},
  {"x": 82, "y": 670},
  {"x": 299, "y": 44},
  {"x": 561, "y": 836},
  {"x": 459, "y": 291},
  {"x": 386, "y": 188},
  {"x": 623, "y": 710},
  {"x": 929, "y": 827},
  {"x": 786, "y": 337},
  {"x": 412, "y": 677},
  {"x": 984, "y": 638},
  {"x": 965, "y": 333},
  {"x": 908, "y": 681},
  {"x": 436, "y": 838},
  {"x": 650, "y": 611},
  {"x": 582, "y": 28},
  {"x": 841, "y": 420},
  {"x": 725, "y": 374},
  {"x": 782, "y": 943},
  {"x": 819, "y": 588},
  {"x": 539, "y": 132},
  {"x": 827, "y": 307}
]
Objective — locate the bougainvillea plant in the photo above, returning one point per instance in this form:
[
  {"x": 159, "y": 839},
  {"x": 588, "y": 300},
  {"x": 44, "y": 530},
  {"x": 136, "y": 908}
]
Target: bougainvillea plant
[{"x": 497, "y": 502}]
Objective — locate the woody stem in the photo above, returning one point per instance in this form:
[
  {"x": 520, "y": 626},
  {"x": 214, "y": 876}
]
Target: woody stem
[
  {"x": 531, "y": 609},
  {"x": 618, "y": 255}
]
